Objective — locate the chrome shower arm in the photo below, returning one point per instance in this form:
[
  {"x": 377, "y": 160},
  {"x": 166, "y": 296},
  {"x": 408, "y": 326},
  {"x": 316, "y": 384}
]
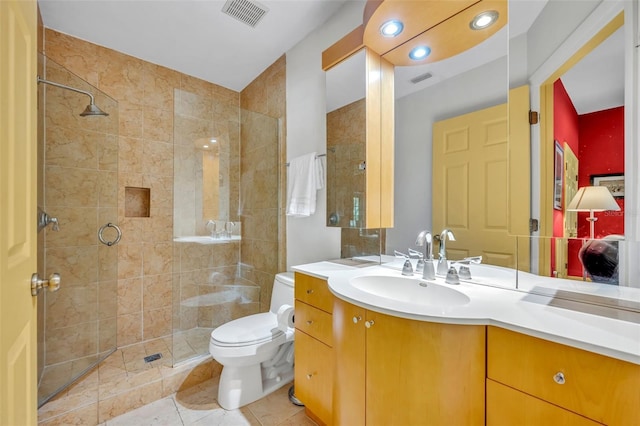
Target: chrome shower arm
[{"x": 62, "y": 86}]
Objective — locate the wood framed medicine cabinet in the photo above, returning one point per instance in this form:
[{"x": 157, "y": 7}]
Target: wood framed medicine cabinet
[
  {"x": 360, "y": 141},
  {"x": 360, "y": 190}
]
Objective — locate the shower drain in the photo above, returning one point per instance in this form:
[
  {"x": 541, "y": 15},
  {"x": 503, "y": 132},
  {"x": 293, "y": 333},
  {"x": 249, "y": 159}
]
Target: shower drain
[{"x": 152, "y": 358}]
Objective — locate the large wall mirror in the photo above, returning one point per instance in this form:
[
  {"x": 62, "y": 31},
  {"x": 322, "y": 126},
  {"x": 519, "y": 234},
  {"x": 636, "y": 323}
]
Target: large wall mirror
[
  {"x": 547, "y": 46},
  {"x": 360, "y": 152},
  {"x": 346, "y": 142}
]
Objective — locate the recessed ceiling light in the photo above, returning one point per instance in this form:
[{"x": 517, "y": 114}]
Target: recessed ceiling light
[
  {"x": 419, "y": 52},
  {"x": 484, "y": 20},
  {"x": 391, "y": 28}
]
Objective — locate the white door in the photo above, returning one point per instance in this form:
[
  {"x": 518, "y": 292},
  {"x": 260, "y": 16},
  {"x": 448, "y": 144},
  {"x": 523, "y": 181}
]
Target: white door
[{"x": 18, "y": 164}]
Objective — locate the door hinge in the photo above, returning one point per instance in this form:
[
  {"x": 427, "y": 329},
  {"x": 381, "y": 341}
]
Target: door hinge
[
  {"x": 533, "y": 117},
  {"x": 533, "y": 225}
]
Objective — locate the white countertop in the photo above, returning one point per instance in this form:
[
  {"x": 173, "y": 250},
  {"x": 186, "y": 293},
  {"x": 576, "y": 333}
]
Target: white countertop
[{"x": 519, "y": 311}]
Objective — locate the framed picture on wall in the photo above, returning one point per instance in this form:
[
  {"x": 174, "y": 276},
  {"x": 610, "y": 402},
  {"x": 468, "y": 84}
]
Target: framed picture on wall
[
  {"x": 615, "y": 183},
  {"x": 558, "y": 176}
]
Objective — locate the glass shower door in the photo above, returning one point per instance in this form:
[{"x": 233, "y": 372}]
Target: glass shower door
[{"x": 78, "y": 161}]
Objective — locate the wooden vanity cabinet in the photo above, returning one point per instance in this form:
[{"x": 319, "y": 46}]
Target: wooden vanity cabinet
[
  {"x": 349, "y": 346},
  {"x": 507, "y": 406},
  {"x": 313, "y": 372},
  {"x": 540, "y": 373},
  {"x": 396, "y": 371}
]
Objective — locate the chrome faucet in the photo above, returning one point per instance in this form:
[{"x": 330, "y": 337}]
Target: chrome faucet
[
  {"x": 213, "y": 228},
  {"x": 228, "y": 229},
  {"x": 443, "y": 267},
  {"x": 425, "y": 239}
]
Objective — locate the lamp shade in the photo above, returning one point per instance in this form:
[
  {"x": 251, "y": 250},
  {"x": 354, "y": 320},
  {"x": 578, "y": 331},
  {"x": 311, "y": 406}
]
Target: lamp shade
[{"x": 593, "y": 199}]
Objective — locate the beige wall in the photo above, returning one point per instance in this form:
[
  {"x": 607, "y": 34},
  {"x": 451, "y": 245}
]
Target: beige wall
[
  {"x": 145, "y": 93},
  {"x": 80, "y": 169}
]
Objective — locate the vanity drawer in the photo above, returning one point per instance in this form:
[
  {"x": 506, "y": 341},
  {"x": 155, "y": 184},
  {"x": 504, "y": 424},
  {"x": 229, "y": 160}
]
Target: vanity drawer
[
  {"x": 314, "y": 377},
  {"x": 313, "y": 291},
  {"x": 601, "y": 388},
  {"x": 314, "y": 322},
  {"x": 507, "y": 406}
]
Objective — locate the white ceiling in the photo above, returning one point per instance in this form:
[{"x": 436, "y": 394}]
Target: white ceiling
[
  {"x": 197, "y": 38},
  {"x": 596, "y": 82},
  {"x": 191, "y": 36}
]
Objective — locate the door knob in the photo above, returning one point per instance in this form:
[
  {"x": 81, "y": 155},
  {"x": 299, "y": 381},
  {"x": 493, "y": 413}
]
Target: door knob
[
  {"x": 37, "y": 284},
  {"x": 369, "y": 324}
]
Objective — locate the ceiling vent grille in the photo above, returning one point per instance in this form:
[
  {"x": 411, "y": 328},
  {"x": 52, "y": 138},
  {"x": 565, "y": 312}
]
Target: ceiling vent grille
[
  {"x": 421, "y": 77},
  {"x": 249, "y": 12}
]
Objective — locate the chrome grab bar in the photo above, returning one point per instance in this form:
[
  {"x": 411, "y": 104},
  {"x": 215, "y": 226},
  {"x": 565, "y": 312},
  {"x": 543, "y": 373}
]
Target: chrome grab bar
[{"x": 109, "y": 243}]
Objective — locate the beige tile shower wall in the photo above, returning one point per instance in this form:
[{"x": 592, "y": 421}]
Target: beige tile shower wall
[
  {"x": 362, "y": 242},
  {"x": 145, "y": 93},
  {"x": 80, "y": 168},
  {"x": 263, "y": 179},
  {"x": 346, "y": 140}
]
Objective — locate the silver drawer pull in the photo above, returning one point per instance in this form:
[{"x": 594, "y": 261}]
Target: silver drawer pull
[
  {"x": 559, "y": 378},
  {"x": 369, "y": 324},
  {"x": 309, "y": 376},
  {"x": 309, "y": 322},
  {"x": 310, "y": 291},
  {"x": 109, "y": 243},
  {"x": 357, "y": 319}
]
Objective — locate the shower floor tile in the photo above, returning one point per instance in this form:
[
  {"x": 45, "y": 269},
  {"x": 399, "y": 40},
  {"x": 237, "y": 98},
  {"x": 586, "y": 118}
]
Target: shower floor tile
[
  {"x": 198, "y": 406},
  {"x": 121, "y": 382}
]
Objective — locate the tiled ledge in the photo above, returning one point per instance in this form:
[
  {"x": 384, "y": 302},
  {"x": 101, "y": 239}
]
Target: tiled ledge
[{"x": 124, "y": 382}]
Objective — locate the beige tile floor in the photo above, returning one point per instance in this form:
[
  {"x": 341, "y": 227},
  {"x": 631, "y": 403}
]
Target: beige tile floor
[{"x": 197, "y": 406}]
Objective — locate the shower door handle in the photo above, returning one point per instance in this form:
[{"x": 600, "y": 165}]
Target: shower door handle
[
  {"x": 37, "y": 284},
  {"x": 118, "y": 234}
]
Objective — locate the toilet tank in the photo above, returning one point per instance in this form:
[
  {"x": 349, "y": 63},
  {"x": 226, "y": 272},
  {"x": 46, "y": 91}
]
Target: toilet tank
[{"x": 282, "y": 293}]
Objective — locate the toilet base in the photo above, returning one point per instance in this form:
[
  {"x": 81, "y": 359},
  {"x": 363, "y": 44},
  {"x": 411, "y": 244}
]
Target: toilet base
[{"x": 240, "y": 386}]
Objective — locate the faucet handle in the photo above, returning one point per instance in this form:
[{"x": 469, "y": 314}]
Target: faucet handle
[
  {"x": 476, "y": 260},
  {"x": 452, "y": 276},
  {"x": 415, "y": 254},
  {"x": 407, "y": 269},
  {"x": 464, "y": 272},
  {"x": 400, "y": 255}
]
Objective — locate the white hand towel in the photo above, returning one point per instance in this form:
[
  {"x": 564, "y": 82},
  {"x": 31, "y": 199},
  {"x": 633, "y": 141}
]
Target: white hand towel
[
  {"x": 319, "y": 173},
  {"x": 306, "y": 176}
]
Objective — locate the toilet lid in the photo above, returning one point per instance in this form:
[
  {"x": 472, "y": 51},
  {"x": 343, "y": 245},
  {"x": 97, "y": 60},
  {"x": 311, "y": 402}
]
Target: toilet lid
[{"x": 247, "y": 330}]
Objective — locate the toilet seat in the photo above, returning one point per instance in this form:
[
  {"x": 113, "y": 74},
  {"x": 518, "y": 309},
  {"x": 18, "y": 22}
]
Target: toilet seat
[{"x": 247, "y": 331}]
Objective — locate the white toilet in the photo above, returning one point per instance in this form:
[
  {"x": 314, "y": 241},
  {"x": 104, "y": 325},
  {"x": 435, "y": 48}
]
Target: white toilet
[{"x": 256, "y": 355}]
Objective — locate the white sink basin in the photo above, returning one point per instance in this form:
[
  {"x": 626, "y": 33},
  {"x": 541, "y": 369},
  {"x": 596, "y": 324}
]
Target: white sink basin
[{"x": 410, "y": 290}]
